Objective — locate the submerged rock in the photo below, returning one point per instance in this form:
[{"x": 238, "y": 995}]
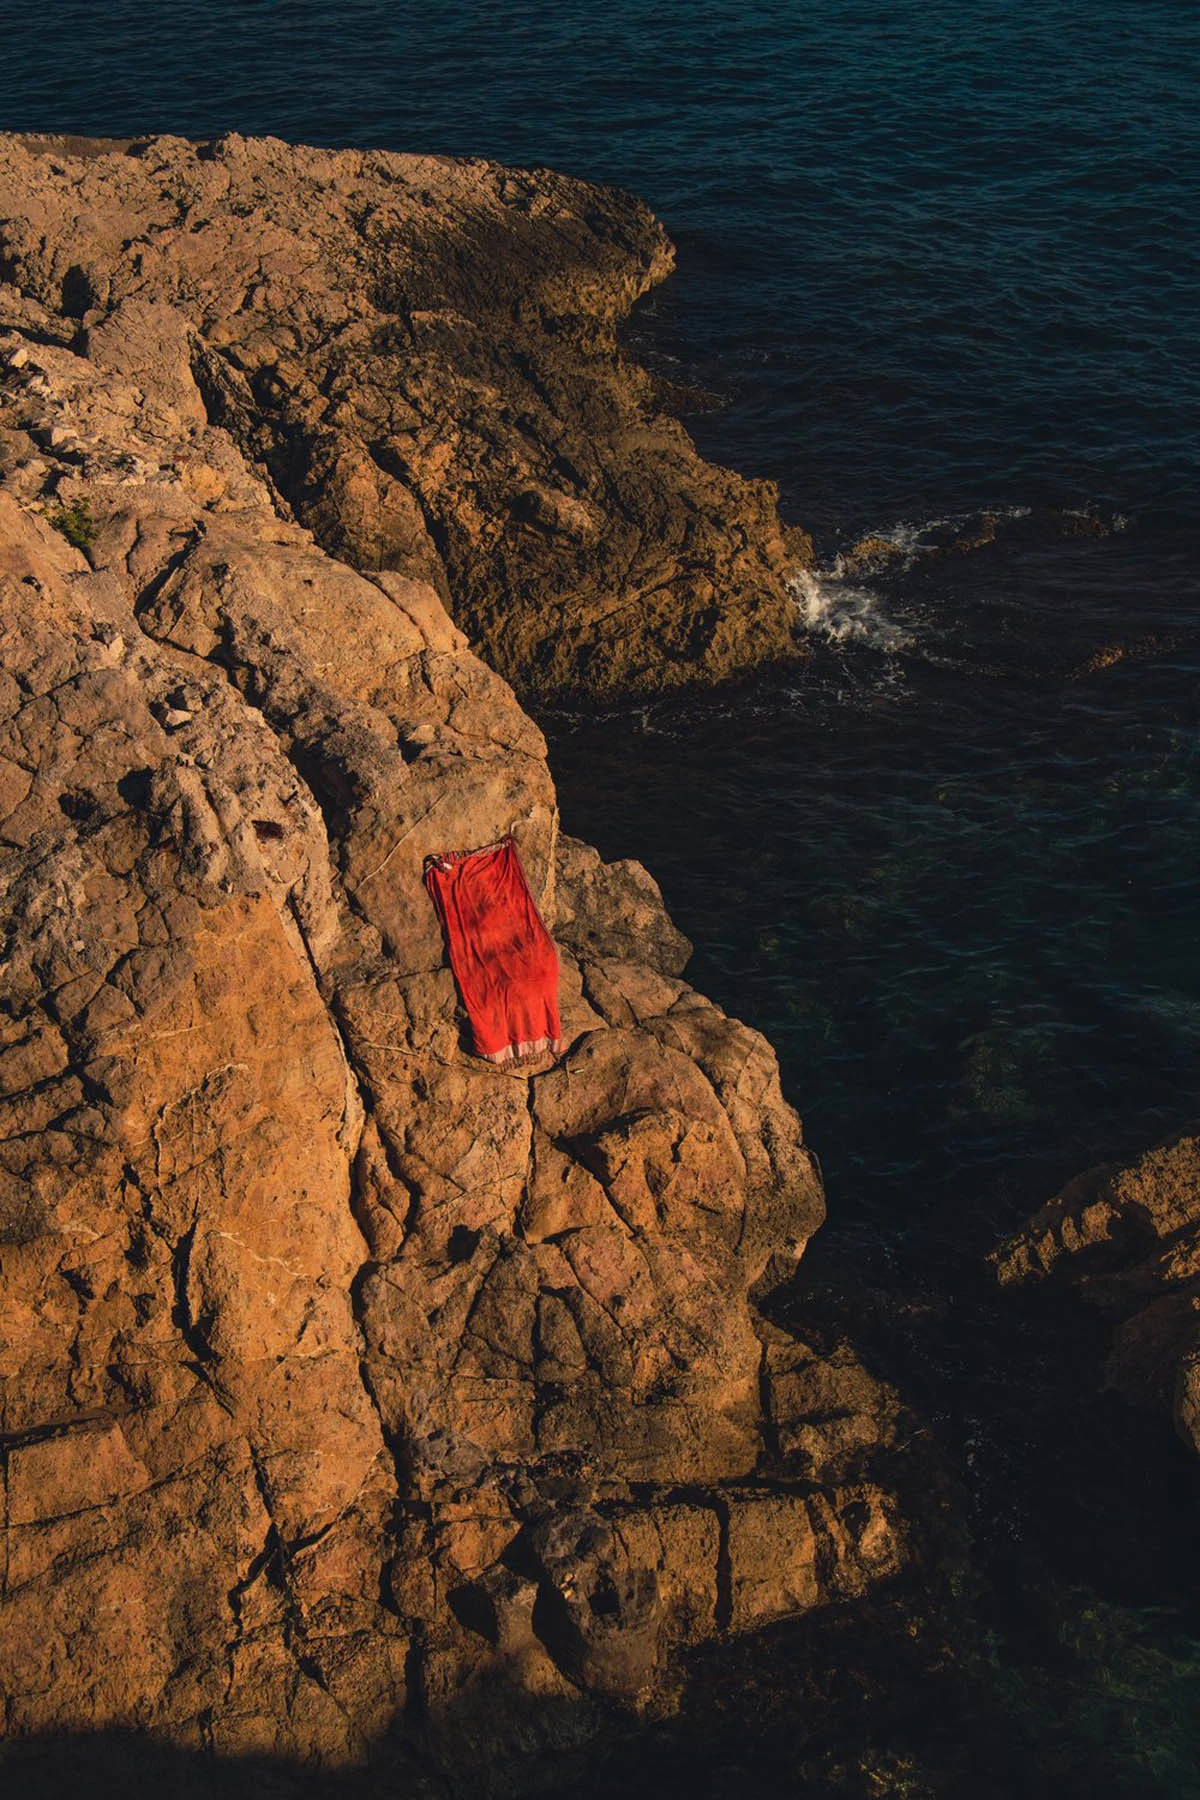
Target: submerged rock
[{"x": 344, "y": 1378}]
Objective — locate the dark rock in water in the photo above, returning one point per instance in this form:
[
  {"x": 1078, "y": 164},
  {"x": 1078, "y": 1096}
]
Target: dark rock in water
[
  {"x": 344, "y": 1380},
  {"x": 1128, "y": 1239}
]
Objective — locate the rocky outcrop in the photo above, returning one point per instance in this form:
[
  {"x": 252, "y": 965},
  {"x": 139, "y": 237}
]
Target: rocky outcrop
[
  {"x": 1127, "y": 1239},
  {"x": 344, "y": 1380},
  {"x": 419, "y": 353}
]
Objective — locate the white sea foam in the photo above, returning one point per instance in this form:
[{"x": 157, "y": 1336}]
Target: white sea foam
[
  {"x": 845, "y": 612},
  {"x": 834, "y": 602},
  {"x": 907, "y": 541}
]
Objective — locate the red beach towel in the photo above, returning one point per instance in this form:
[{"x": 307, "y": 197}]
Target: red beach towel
[{"x": 503, "y": 958}]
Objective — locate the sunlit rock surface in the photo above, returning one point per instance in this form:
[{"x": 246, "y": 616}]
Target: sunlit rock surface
[{"x": 345, "y": 1380}]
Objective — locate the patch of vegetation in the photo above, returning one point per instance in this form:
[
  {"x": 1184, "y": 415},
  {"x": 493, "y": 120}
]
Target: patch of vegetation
[{"x": 75, "y": 523}]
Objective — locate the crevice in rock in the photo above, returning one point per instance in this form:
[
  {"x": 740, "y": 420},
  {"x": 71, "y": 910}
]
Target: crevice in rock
[
  {"x": 42, "y": 1434},
  {"x": 415, "y": 1707},
  {"x": 147, "y": 595},
  {"x": 190, "y": 1330},
  {"x": 724, "y": 1609},
  {"x": 767, "y": 1424},
  {"x": 825, "y": 1559},
  {"x": 202, "y": 1363},
  {"x": 45, "y": 335},
  {"x": 230, "y": 406}
]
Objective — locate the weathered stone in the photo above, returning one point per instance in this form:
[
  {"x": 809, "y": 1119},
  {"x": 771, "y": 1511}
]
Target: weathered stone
[
  {"x": 602, "y": 1607},
  {"x": 332, "y": 1359},
  {"x": 789, "y": 1552},
  {"x": 825, "y": 1410},
  {"x": 421, "y": 353},
  {"x": 1128, "y": 1238}
]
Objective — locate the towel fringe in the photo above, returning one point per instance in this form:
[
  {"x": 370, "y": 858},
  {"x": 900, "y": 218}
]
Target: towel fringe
[{"x": 513, "y": 1054}]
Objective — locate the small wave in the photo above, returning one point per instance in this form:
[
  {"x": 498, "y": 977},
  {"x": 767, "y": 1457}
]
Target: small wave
[
  {"x": 846, "y": 613},
  {"x": 1179, "y": 1012},
  {"x": 895, "y": 548},
  {"x": 1103, "y": 524},
  {"x": 846, "y": 599}
]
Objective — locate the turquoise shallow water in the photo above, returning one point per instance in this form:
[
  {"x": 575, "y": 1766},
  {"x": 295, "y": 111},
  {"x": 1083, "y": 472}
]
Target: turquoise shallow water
[{"x": 940, "y": 269}]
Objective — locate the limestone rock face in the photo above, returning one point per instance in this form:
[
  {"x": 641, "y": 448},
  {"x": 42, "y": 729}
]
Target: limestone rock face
[
  {"x": 1128, "y": 1239},
  {"x": 343, "y": 1378},
  {"x": 420, "y": 354}
]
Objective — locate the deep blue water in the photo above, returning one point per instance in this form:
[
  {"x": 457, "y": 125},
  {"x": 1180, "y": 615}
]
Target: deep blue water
[{"x": 939, "y": 259}]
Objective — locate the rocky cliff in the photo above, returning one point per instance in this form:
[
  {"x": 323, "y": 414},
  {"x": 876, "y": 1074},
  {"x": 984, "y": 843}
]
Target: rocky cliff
[{"x": 350, "y": 1387}]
